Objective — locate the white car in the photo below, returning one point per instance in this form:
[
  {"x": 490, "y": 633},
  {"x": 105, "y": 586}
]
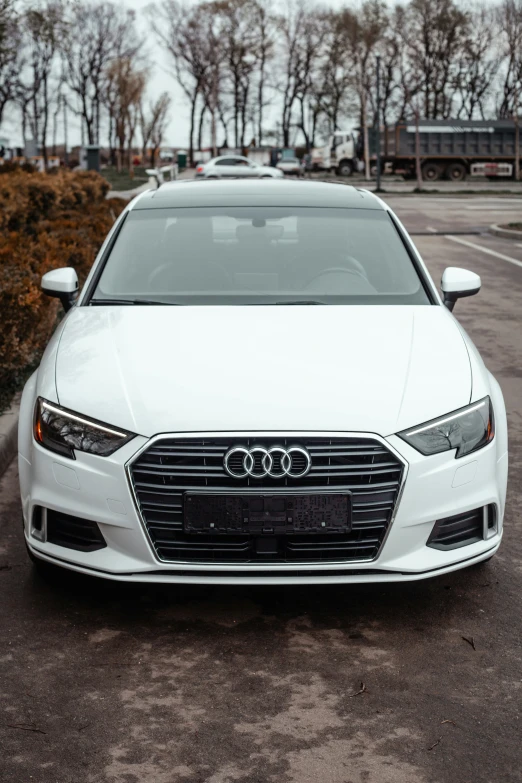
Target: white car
[
  {"x": 291, "y": 166},
  {"x": 260, "y": 384},
  {"x": 235, "y": 166}
]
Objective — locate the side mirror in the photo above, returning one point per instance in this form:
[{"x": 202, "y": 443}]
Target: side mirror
[
  {"x": 457, "y": 283},
  {"x": 62, "y": 283}
]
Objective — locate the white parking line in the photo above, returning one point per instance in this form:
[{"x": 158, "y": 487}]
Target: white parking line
[
  {"x": 483, "y": 249},
  {"x": 481, "y": 208}
]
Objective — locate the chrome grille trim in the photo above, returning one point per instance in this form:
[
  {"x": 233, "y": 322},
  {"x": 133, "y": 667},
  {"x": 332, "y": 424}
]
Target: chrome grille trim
[{"x": 151, "y": 498}]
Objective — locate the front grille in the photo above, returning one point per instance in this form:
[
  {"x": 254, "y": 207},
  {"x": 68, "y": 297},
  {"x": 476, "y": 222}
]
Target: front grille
[{"x": 172, "y": 466}]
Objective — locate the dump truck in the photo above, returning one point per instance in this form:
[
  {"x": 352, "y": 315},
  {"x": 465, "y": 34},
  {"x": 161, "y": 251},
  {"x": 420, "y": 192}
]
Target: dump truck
[{"x": 449, "y": 149}]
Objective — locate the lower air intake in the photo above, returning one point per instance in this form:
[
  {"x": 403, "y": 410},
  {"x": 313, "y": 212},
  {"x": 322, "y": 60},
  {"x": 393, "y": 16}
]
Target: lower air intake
[
  {"x": 73, "y": 532},
  {"x": 464, "y": 529}
]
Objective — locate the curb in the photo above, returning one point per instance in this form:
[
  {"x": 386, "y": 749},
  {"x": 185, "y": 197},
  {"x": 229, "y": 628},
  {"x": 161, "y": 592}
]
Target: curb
[
  {"x": 505, "y": 233},
  {"x": 128, "y": 195},
  {"x": 9, "y": 434}
]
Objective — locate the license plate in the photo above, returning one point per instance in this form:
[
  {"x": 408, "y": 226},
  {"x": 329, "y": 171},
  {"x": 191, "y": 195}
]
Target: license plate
[{"x": 267, "y": 514}]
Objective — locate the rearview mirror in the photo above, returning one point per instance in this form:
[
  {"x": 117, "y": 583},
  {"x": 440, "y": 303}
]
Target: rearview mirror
[
  {"x": 457, "y": 283},
  {"x": 62, "y": 283}
]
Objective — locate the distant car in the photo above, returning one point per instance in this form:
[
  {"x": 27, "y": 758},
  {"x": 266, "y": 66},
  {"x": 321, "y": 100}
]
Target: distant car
[
  {"x": 291, "y": 166},
  {"x": 235, "y": 166}
]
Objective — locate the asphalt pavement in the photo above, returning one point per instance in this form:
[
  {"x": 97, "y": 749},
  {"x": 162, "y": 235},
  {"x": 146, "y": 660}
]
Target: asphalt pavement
[{"x": 412, "y": 683}]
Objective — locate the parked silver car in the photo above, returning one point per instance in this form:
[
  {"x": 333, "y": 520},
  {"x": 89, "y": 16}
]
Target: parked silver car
[
  {"x": 235, "y": 166},
  {"x": 291, "y": 166}
]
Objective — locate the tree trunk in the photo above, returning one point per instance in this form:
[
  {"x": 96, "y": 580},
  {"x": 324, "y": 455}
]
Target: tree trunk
[
  {"x": 286, "y": 127},
  {"x": 24, "y": 125},
  {"x": 236, "y": 112},
  {"x": 213, "y": 125},
  {"x": 55, "y": 123},
  {"x": 260, "y": 93},
  {"x": 110, "y": 137},
  {"x": 418, "y": 169},
  {"x": 65, "y": 139},
  {"x": 131, "y": 154},
  {"x": 200, "y": 127},
  {"x": 365, "y": 136},
  {"x": 45, "y": 123},
  {"x": 121, "y": 152},
  {"x": 192, "y": 123}
]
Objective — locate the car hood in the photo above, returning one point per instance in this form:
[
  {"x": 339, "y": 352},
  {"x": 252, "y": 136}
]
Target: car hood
[{"x": 162, "y": 369}]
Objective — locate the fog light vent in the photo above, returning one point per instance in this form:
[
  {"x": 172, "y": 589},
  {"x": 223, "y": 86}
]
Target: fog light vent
[
  {"x": 73, "y": 532},
  {"x": 459, "y": 530},
  {"x": 38, "y": 523},
  {"x": 490, "y": 520}
]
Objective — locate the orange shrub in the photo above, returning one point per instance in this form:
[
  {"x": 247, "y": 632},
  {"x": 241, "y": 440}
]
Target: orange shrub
[{"x": 45, "y": 222}]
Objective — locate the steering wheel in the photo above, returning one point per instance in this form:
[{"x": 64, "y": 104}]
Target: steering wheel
[
  {"x": 343, "y": 259},
  {"x": 334, "y": 270},
  {"x": 153, "y": 277}
]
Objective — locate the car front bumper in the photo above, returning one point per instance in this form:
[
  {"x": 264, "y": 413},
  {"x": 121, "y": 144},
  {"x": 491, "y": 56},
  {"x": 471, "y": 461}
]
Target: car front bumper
[{"x": 98, "y": 489}]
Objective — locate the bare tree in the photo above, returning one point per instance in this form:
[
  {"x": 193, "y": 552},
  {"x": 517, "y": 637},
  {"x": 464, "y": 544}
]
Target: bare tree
[
  {"x": 433, "y": 32},
  {"x": 478, "y": 63},
  {"x": 126, "y": 85},
  {"x": 99, "y": 32},
  {"x": 510, "y": 21},
  {"x": 10, "y": 53},
  {"x": 153, "y": 124},
  {"x": 332, "y": 88},
  {"x": 265, "y": 26},
  {"x": 42, "y": 29},
  {"x": 238, "y": 39},
  {"x": 363, "y": 33},
  {"x": 291, "y": 25},
  {"x": 181, "y": 30}
]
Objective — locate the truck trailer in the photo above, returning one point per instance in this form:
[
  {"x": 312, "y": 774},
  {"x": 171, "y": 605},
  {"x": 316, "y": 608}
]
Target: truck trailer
[{"x": 449, "y": 149}]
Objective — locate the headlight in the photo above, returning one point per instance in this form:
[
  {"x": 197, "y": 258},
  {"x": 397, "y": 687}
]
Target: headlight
[
  {"x": 466, "y": 430},
  {"x": 61, "y": 430}
]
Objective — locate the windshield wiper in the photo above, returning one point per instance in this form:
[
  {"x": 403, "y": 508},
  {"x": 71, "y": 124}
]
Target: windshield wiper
[
  {"x": 129, "y": 302},
  {"x": 301, "y": 302}
]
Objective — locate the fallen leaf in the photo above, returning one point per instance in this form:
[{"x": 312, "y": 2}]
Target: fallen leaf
[
  {"x": 470, "y": 640},
  {"x": 363, "y": 689},
  {"x": 448, "y": 721},
  {"x": 26, "y": 727}
]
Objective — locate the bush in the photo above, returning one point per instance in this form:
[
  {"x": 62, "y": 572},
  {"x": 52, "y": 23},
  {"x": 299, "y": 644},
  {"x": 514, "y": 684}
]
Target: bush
[
  {"x": 45, "y": 223},
  {"x": 8, "y": 166}
]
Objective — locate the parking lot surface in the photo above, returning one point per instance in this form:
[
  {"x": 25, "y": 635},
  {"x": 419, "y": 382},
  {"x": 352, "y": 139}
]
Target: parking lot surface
[{"x": 411, "y": 683}]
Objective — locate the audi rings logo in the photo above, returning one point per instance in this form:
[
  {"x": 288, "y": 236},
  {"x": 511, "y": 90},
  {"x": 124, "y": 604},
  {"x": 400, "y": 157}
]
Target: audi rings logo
[{"x": 259, "y": 462}]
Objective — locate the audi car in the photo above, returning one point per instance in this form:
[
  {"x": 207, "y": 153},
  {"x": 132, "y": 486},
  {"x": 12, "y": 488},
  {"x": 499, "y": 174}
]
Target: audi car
[{"x": 260, "y": 383}]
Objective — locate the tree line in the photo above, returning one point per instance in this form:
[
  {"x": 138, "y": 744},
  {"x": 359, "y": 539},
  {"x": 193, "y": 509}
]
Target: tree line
[
  {"x": 85, "y": 58},
  {"x": 256, "y": 70}
]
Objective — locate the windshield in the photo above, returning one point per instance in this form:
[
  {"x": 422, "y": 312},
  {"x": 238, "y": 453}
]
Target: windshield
[{"x": 259, "y": 255}]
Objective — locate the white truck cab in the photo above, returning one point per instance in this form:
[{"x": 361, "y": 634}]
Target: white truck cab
[{"x": 340, "y": 153}]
